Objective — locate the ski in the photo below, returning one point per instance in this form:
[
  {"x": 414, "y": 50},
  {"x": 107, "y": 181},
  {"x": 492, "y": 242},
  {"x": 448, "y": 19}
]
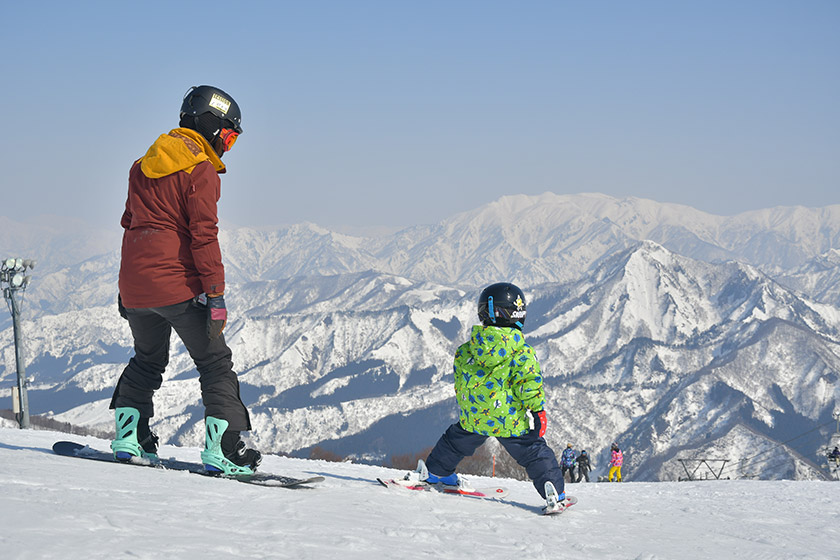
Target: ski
[
  {"x": 73, "y": 449},
  {"x": 562, "y": 506},
  {"x": 492, "y": 493},
  {"x": 554, "y": 504}
]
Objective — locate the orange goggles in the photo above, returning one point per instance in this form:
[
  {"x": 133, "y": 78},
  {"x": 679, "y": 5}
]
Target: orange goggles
[{"x": 228, "y": 137}]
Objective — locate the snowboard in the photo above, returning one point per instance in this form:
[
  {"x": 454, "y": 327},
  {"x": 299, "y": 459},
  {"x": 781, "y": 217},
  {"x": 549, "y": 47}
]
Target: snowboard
[
  {"x": 73, "y": 449},
  {"x": 491, "y": 493}
]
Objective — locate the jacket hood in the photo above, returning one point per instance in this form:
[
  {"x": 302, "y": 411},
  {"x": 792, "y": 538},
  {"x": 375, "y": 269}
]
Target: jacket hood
[
  {"x": 494, "y": 345},
  {"x": 180, "y": 150}
]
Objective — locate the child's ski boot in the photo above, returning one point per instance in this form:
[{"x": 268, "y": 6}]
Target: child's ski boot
[
  {"x": 556, "y": 503},
  {"x": 224, "y": 453},
  {"x": 422, "y": 474},
  {"x": 134, "y": 438}
]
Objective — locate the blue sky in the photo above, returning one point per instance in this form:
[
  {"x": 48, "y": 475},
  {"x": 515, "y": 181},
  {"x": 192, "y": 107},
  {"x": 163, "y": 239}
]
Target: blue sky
[{"x": 396, "y": 113}]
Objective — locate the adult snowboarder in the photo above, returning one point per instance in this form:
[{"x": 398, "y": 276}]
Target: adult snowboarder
[
  {"x": 172, "y": 277},
  {"x": 583, "y": 466},
  {"x": 499, "y": 390},
  {"x": 567, "y": 462}
]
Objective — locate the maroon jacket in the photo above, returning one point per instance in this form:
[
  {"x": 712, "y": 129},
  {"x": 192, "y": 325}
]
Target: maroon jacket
[{"x": 170, "y": 249}]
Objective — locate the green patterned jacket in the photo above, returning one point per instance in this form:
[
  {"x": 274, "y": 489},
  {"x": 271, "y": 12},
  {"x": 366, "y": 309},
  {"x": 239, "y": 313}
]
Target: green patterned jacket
[{"x": 497, "y": 380}]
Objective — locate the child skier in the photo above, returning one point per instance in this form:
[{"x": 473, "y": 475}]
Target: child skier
[{"x": 499, "y": 389}]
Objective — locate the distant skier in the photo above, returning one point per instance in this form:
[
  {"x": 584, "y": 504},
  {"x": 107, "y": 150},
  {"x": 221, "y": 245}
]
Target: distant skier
[
  {"x": 583, "y": 466},
  {"x": 567, "y": 462},
  {"x": 172, "y": 277},
  {"x": 616, "y": 460},
  {"x": 835, "y": 454},
  {"x": 499, "y": 389}
]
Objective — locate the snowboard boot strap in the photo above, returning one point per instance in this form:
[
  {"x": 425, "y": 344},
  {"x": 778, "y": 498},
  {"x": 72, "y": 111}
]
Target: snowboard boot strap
[
  {"x": 214, "y": 458},
  {"x": 148, "y": 443},
  {"x": 134, "y": 438}
]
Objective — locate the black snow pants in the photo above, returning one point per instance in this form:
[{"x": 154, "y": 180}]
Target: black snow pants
[{"x": 151, "y": 329}]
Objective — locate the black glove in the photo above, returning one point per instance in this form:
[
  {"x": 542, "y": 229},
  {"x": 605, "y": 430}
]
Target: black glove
[
  {"x": 120, "y": 307},
  {"x": 216, "y": 315}
]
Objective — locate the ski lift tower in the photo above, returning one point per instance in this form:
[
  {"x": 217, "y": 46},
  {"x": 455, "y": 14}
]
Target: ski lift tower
[{"x": 13, "y": 273}]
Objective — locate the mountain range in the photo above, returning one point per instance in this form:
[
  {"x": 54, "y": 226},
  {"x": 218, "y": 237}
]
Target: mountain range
[{"x": 683, "y": 336}]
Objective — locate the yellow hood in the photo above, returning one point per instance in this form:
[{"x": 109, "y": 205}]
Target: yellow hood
[{"x": 180, "y": 150}]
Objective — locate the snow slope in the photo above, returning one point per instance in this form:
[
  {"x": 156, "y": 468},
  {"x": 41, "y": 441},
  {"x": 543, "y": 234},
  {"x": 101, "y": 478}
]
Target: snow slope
[{"x": 57, "y": 507}]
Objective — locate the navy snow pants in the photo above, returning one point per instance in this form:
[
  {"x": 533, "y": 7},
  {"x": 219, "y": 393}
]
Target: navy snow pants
[{"x": 529, "y": 450}]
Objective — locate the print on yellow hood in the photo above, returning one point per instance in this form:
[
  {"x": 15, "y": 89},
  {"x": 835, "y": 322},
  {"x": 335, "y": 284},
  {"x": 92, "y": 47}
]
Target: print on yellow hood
[{"x": 180, "y": 150}]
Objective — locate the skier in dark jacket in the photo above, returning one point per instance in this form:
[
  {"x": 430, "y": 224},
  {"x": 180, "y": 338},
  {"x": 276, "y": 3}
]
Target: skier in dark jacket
[
  {"x": 172, "y": 278},
  {"x": 583, "y": 466}
]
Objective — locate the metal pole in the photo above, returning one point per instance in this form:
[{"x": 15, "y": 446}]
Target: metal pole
[
  {"x": 13, "y": 273},
  {"x": 23, "y": 418}
]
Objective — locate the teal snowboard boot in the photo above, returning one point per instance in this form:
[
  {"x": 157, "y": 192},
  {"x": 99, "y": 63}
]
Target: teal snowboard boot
[
  {"x": 134, "y": 438},
  {"x": 224, "y": 453}
]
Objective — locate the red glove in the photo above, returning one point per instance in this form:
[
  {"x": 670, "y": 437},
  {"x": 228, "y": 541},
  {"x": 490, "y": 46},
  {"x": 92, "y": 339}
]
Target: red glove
[{"x": 543, "y": 421}]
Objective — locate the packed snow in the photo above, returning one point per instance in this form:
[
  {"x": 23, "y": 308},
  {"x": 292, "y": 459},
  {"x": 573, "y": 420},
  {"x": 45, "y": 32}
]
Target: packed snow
[{"x": 60, "y": 507}]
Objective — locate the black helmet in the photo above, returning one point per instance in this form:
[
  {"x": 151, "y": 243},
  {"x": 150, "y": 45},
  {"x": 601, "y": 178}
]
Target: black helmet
[
  {"x": 208, "y": 99},
  {"x": 502, "y": 305}
]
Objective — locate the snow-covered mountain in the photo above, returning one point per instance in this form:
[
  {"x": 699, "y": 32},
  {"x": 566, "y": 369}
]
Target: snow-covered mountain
[
  {"x": 819, "y": 277},
  {"x": 679, "y": 334},
  {"x": 678, "y": 353},
  {"x": 526, "y": 239},
  {"x": 538, "y": 239}
]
